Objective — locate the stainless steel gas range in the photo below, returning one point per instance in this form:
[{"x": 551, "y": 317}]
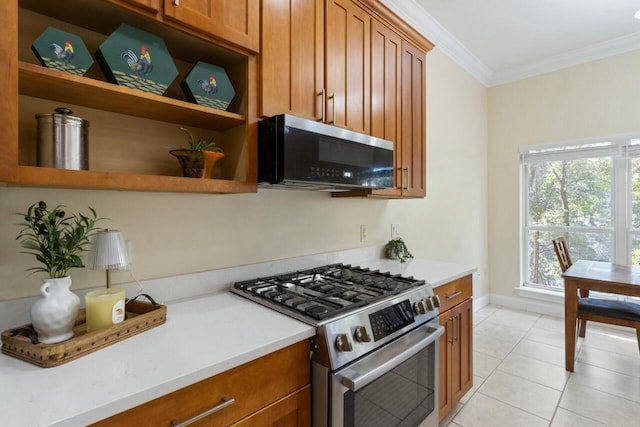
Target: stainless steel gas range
[{"x": 375, "y": 352}]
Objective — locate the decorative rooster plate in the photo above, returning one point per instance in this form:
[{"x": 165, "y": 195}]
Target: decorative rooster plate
[
  {"x": 62, "y": 51},
  {"x": 133, "y": 58},
  {"x": 208, "y": 85}
]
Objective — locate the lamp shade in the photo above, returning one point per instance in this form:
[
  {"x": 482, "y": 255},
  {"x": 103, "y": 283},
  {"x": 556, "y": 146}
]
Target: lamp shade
[{"x": 109, "y": 251}]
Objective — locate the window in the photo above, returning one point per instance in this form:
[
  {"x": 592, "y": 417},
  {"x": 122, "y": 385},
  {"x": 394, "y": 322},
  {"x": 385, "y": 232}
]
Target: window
[{"x": 587, "y": 191}]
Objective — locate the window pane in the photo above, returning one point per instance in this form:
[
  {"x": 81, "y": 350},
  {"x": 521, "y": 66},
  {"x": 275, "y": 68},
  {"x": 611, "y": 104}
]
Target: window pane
[
  {"x": 635, "y": 193},
  {"x": 570, "y": 192},
  {"x": 543, "y": 263},
  {"x": 635, "y": 250}
]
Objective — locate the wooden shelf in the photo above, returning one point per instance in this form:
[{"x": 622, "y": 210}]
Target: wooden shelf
[
  {"x": 41, "y": 82},
  {"x": 50, "y": 177}
]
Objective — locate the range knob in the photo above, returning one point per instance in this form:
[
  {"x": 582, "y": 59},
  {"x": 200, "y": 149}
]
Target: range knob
[
  {"x": 343, "y": 343},
  {"x": 429, "y": 303},
  {"x": 436, "y": 301},
  {"x": 362, "y": 335},
  {"x": 419, "y": 307}
]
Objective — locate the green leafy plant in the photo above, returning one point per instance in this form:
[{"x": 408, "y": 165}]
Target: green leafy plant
[
  {"x": 56, "y": 238},
  {"x": 396, "y": 249},
  {"x": 202, "y": 144}
]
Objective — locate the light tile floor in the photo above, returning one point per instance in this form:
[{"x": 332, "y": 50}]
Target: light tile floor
[{"x": 520, "y": 380}]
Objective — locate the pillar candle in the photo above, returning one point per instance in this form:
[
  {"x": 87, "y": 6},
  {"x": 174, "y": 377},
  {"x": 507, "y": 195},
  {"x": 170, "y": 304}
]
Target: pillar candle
[{"x": 105, "y": 307}]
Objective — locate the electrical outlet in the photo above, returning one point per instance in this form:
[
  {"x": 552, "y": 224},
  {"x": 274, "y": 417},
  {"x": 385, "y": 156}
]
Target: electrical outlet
[
  {"x": 395, "y": 231},
  {"x": 364, "y": 233}
]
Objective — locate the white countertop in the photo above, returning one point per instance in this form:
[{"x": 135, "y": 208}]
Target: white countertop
[
  {"x": 432, "y": 272},
  {"x": 203, "y": 336}
]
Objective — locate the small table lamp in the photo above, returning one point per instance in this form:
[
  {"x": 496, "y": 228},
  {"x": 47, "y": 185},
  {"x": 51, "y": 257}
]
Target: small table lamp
[{"x": 109, "y": 253}]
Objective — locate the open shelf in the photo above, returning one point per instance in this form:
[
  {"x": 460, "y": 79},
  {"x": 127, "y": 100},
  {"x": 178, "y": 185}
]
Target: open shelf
[
  {"x": 37, "y": 176},
  {"x": 48, "y": 83},
  {"x": 131, "y": 131}
]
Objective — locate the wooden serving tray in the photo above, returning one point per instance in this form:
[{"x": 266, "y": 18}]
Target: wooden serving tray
[{"x": 140, "y": 316}]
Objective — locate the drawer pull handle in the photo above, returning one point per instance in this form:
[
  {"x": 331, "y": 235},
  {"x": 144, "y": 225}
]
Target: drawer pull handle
[
  {"x": 454, "y": 295},
  {"x": 225, "y": 402}
]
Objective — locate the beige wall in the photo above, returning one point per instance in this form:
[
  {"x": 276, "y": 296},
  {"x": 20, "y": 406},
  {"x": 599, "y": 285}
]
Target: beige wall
[
  {"x": 599, "y": 98},
  {"x": 180, "y": 233}
]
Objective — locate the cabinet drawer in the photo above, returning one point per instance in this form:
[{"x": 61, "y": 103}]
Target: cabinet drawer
[
  {"x": 253, "y": 386},
  {"x": 291, "y": 411},
  {"x": 453, "y": 293}
]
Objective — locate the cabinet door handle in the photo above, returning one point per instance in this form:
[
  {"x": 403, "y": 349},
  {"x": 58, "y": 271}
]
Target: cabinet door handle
[
  {"x": 176, "y": 2},
  {"x": 405, "y": 181},
  {"x": 456, "y": 326},
  {"x": 225, "y": 402},
  {"x": 454, "y": 295},
  {"x": 453, "y": 324},
  {"x": 333, "y": 104},
  {"x": 323, "y": 99}
]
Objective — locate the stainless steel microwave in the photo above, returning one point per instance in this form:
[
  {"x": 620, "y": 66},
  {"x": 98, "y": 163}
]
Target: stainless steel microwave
[{"x": 305, "y": 154}]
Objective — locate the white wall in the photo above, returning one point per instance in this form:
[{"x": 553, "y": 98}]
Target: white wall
[
  {"x": 179, "y": 233},
  {"x": 599, "y": 98}
]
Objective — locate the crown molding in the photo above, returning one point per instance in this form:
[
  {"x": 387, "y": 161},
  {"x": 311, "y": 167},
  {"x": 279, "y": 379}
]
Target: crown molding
[
  {"x": 569, "y": 59},
  {"x": 416, "y": 16}
]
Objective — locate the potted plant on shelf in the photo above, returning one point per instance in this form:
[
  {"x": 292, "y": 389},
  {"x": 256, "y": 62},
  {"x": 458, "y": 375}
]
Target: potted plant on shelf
[
  {"x": 397, "y": 249},
  {"x": 199, "y": 159},
  {"x": 56, "y": 239}
]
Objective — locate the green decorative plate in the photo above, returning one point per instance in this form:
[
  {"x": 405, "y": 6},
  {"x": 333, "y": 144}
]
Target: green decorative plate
[
  {"x": 136, "y": 59},
  {"x": 62, "y": 51},
  {"x": 208, "y": 85}
]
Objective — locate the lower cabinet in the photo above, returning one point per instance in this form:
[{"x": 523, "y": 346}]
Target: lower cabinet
[
  {"x": 456, "y": 344},
  {"x": 273, "y": 390}
]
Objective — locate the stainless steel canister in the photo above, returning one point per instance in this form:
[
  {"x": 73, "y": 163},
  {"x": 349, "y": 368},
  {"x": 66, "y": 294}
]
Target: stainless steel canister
[{"x": 63, "y": 140}]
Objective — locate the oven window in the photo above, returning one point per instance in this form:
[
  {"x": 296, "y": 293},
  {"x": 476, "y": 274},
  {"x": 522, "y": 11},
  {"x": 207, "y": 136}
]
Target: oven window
[{"x": 404, "y": 396}]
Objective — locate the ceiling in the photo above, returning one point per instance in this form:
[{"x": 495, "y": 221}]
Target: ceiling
[{"x": 505, "y": 40}]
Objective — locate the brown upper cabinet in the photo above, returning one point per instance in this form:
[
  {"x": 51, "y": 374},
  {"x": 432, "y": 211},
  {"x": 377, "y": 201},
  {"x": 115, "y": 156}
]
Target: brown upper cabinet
[
  {"x": 412, "y": 147},
  {"x": 235, "y": 21},
  {"x": 353, "y": 64},
  {"x": 348, "y": 67},
  {"x": 292, "y": 58}
]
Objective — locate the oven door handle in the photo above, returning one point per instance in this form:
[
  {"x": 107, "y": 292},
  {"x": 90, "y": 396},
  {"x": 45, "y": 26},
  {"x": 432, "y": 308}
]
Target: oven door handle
[{"x": 387, "y": 358}]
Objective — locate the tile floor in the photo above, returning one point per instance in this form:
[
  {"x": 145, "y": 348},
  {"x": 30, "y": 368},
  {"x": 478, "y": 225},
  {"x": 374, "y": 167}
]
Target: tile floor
[{"x": 519, "y": 376}]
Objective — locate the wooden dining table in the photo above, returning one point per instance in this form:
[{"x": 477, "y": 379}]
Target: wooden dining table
[{"x": 592, "y": 276}]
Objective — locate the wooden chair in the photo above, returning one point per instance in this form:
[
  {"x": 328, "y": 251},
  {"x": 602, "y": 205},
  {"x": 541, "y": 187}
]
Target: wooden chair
[
  {"x": 621, "y": 313},
  {"x": 562, "y": 252}
]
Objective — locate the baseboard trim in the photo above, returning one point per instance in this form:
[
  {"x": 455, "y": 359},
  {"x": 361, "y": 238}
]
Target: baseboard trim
[
  {"x": 480, "y": 302},
  {"x": 549, "y": 308}
]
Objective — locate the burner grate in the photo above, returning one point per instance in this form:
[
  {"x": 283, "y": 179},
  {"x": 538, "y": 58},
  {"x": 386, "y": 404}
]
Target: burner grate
[{"x": 325, "y": 292}]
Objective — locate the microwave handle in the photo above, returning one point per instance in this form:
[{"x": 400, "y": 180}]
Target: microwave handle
[{"x": 373, "y": 367}]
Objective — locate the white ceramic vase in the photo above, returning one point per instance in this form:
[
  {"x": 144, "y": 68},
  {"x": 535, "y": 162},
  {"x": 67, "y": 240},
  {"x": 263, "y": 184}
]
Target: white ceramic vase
[{"x": 54, "y": 315}]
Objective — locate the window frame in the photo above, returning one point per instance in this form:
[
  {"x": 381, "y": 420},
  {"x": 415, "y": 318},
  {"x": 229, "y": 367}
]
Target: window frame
[{"x": 622, "y": 149}]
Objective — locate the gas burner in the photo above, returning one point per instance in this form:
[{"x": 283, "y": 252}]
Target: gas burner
[{"x": 328, "y": 291}]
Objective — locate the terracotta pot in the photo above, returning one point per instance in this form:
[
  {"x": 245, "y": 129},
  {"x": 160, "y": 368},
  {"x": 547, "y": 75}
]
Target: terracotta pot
[
  {"x": 191, "y": 162},
  {"x": 196, "y": 164},
  {"x": 210, "y": 159}
]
